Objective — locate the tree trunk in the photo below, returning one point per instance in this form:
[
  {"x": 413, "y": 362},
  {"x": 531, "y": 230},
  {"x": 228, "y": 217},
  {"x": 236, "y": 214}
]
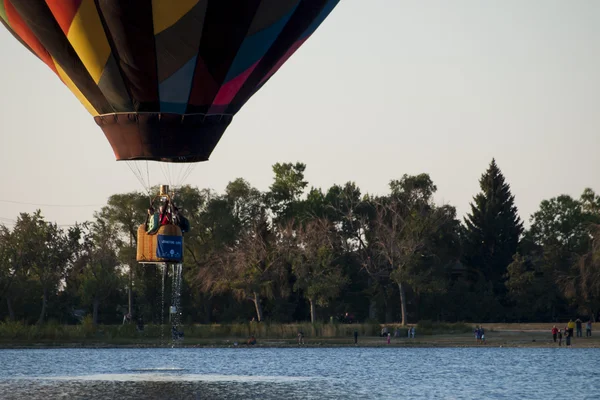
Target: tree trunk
[
  {"x": 372, "y": 309},
  {"x": 95, "y": 306},
  {"x": 11, "y": 312},
  {"x": 417, "y": 301},
  {"x": 207, "y": 303},
  {"x": 313, "y": 311},
  {"x": 387, "y": 316},
  {"x": 259, "y": 311},
  {"x": 44, "y": 306},
  {"x": 402, "y": 303}
]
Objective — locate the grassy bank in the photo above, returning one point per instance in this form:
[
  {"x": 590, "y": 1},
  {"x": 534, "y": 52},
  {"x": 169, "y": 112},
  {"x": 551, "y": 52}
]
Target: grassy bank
[
  {"x": 10, "y": 331},
  {"x": 428, "y": 334}
]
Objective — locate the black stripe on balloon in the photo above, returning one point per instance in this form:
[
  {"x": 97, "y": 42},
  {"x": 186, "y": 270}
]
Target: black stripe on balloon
[
  {"x": 17, "y": 36},
  {"x": 270, "y": 12},
  {"x": 225, "y": 27},
  {"x": 179, "y": 43},
  {"x": 41, "y": 22},
  {"x": 303, "y": 17},
  {"x": 112, "y": 66},
  {"x": 131, "y": 30},
  {"x": 111, "y": 83}
]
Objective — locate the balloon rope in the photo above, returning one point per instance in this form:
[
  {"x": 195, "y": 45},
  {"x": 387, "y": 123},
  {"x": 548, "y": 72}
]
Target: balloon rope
[{"x": 131, "y": 167}]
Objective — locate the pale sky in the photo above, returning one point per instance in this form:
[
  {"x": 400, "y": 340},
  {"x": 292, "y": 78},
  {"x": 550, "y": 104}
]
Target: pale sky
[{"x": 383, "y": 88}]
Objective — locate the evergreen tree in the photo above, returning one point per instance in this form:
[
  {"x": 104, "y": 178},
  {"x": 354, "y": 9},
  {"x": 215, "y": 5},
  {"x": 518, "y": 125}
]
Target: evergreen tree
[{"x": 493, "y": 229}]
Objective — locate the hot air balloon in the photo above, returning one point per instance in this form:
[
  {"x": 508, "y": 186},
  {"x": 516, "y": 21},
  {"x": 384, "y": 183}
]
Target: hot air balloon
[{"x": 163, "y": 78}]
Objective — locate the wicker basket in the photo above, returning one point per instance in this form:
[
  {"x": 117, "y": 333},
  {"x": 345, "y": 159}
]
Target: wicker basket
[{"x": 146, "y": 244}]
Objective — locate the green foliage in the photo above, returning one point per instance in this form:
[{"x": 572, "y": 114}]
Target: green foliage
[
  {"x": 288, "y": 185},
  {"x": 289, "y": 254},
  {"x": 19, "y": 332},
  {"x": 14, "y": 330},
  {"x": 562, "y": 222},
  {"x": 404, "y": 231},
  {"x": 493, "y": 230},
  {"x": 88, "y": 327},
  {"x": 310, "y": 248},
  {"x": 427, "y": 327},
  {"x": 289, "y": 181}
]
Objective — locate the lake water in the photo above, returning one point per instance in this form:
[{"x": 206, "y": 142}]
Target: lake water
[{"x": 307, "y": 373}]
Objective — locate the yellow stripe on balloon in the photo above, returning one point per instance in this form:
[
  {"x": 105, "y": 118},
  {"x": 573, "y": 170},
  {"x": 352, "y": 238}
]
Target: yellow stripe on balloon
[
  {"x": 166, "y": 13},
  {"x": 87, "y": 37},
  {"x": 74, "y": 89}
]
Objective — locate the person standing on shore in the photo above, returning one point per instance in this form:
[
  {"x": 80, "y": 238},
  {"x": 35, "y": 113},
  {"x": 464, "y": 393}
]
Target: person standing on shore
[
  {"x": 571, "y": 326},
  {"x": 578, "y": 324},
  {"x": 356, "y": 336},
  {"x": 560, "y": 335},
  {"x": 588, "y": 329},
  {"x": 554, "y": 333}
]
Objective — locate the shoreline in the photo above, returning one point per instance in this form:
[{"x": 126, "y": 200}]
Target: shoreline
[{"x": 494, "y": 339}]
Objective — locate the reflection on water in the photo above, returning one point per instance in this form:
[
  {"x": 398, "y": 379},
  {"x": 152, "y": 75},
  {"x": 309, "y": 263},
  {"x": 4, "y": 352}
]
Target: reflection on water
[
  {"x": 157, "y": 369},
  {"x": 176, "y": 378},
  {"x": 471, "y": 373},
  {"x": 155, "y": 390}
]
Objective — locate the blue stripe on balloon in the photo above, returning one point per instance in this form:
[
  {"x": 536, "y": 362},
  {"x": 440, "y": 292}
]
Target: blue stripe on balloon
[
  {"x": 320, "y": 18},
  {"x": 174, "y": 91},
  {"x": 254, "y": 47}
]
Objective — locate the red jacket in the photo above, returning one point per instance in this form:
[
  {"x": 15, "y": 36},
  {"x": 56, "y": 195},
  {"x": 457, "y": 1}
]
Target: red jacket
[{"x": 164, "y": 219}]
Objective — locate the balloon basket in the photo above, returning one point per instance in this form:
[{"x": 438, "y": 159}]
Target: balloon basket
[{"x": 165, "y": 246}]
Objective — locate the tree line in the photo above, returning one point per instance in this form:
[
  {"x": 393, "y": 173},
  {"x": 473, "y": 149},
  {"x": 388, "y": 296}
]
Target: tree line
[{"x": 294, "y": 254}]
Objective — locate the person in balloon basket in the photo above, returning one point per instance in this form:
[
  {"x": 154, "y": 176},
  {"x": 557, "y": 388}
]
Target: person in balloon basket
[
  {"x": 182, "y": 222},
  {"x": 157, "y": 219},
  {"x": 152, "y": 221},
  {"x": 165, "y": 215}
]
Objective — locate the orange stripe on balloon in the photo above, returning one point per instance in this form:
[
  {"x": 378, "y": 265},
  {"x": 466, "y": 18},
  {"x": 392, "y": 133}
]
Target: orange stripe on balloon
[
  {"x": 64, "y": 12},
  {"x": 22, "y": 30}
]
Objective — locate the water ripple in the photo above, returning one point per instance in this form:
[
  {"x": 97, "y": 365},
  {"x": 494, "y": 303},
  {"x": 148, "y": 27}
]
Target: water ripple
[{"x": 306, "y": 373}]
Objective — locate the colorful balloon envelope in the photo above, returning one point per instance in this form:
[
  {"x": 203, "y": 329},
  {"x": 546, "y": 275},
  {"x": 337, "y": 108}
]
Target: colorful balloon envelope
[{"x": 163, "y": 78}]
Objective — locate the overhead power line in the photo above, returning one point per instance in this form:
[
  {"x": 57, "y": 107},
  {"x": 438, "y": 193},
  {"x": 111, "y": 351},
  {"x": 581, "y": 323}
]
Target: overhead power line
[{"x": 4, "y": 220}]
